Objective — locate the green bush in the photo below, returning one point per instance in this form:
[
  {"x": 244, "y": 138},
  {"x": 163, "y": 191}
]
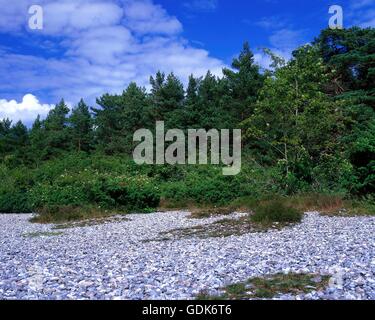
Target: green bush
[
  {"x": 276, "y": 211},
  {"x": 207, "y": 185},
  {"x": 116, "y": 183},
  {"x": 202, "y": 191},
  {"x": 14, "y": 202},
  {"x": 54, "y": 195},
  {"x": 129, "y": 193},
  {"x": 13, "y": 190},
  {"x": 88, "y": 188}
]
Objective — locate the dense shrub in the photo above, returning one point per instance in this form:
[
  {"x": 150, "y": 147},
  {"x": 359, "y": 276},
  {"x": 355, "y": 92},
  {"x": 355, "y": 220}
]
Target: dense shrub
[
  {"x": 276, "y": 211},
  {"x": 54, "y": 195},
  {"x": 207, "y": 185},
  {"x": 13, "y": 190},
  {"x": 14, "y": 202},
  {"x": 115, "y": 183},
  {"x": 130, "y": 193}
]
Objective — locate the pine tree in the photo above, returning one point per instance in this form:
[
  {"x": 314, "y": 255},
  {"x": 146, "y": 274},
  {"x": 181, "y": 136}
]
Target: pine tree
[
  {"x": 38, "y": 143},
  {"x": 19, "y": 134},
  {"x": 109, "y": 124},
  {"x": 5, "y": 141},
  {"x": 244, "y": 83},
  {"x": 209, "y": 107},
  {"x": 191, "y": 116},
  {"x": 20, "y": 139},
  {"x": 56, "y": 130},
  {"x": 137, "y": 112},
  {"x": 81, "y": 127},
  {"x": 350, "y": 56},
  {"x": 167, "y": 96}
]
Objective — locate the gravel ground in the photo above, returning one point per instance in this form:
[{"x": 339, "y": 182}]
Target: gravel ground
[{"x": 111, "y": 261}]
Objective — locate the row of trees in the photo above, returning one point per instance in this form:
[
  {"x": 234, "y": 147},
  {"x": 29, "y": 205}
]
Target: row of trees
[
  {"x": 207, "y": 102},
  {"x": 313, "y": 115}
]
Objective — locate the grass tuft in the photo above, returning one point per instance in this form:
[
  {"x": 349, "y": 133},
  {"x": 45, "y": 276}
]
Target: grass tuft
[
  {"x": 276, "y": 211},
  {"x": 270, "y": 287},
  {"x": 61, "y": 214},
  {"x": 207, "y": 212},
  {"x": 42, "y": 234}
]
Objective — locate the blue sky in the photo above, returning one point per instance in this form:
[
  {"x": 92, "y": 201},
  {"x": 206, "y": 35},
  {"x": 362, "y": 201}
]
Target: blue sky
[{"x": 89, "y": 47}]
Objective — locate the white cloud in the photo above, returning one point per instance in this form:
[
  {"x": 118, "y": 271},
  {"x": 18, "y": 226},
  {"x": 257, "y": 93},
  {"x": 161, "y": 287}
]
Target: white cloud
[
  {"x": 271, "y": 22},
  {"x": 14, "y": 16},
  {"x": 368, "y": 23},
  {"x": 26, "y": 110},
  {"x": 102, "y": 45},
  {"x": 201, "y": 5},
  {"x": 284, "y": 39},
  {"x": 358, "y": 4},
  {"x": 146, "y": 17},
  {"x": 93, "y": 47},
  {"x": 263, "y": 60},
  {"x": 367, "y": 19},
  {"x": 65, "y": 17},
  {"x": 361, "y": 13}
]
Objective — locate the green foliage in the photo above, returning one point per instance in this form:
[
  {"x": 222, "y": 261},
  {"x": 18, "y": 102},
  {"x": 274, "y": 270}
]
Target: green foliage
[
  {"x": 55, "y": 129},
  {"x": 118, "y": 117},
  {"x": 207, "y": 185},
  {"x": 167, "y": 96},
  {"x": 132, "y": 194},
  {"x": 271, "y": 287},
  {"x": 14, "y": 142},
  {"x": 84, "y": 184},
  {"x": 276, "y": 211},
  {"x": 81, "y": 127},
  {"x": 78, "y": 180},
  {"x": 244, "y": 83},
  {"x": 13, "y": 201},
  {"x": 13, "y": 190},
  {"x": 59, "y": 193},
  {"x": 309, "y": 126},
  {"x": 294, "y": 124},
  {"x": 349, "y": 54}
]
